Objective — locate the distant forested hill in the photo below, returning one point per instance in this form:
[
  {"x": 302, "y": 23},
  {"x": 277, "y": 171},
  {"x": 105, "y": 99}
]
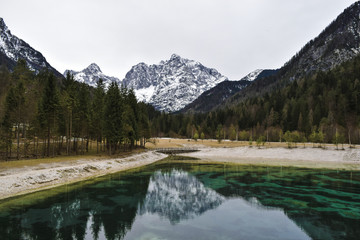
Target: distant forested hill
[{"x": 324, "y": 105}]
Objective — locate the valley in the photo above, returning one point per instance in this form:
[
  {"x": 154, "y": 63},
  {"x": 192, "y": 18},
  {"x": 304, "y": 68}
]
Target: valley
[{"x": 173, "y": 147}]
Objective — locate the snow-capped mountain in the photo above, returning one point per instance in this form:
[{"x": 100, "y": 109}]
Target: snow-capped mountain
[
  {"x": 91, "y": 75},
  {"x": 177, "y": 195},
  {"x": 13, "y": 48},
  {"x": 171, "y": 84}
]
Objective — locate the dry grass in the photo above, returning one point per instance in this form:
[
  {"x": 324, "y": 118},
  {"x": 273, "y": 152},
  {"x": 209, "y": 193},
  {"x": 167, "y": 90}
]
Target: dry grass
[
  {"x": 175, "y": 142},
  {"x": 155, "y": 143},
  {"x": 178, "y": 143}
]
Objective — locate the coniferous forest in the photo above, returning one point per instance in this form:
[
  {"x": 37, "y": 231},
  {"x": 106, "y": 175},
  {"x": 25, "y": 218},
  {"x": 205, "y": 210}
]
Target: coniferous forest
[
  {"x": 321, "y": 108},
  {"x": 42, "y": 115}
]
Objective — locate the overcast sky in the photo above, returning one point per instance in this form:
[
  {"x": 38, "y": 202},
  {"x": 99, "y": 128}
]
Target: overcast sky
[{"x": 233, "y": 36}]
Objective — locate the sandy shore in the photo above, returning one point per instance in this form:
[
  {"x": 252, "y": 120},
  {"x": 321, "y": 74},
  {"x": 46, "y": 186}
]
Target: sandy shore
[
  {"x": 22, "y": 180},
  {"x": 18, "y": 181},
  {"x": 297, "y": 157}
]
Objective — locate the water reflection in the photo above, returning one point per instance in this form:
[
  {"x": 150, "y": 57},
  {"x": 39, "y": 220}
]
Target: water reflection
[
  {"x": 196, "y": 202},
  {"x": 201, "y": 213},
  {"x": 177, "y": 195}
]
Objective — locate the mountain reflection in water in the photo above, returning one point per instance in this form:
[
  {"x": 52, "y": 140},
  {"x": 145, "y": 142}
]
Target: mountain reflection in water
[
  {"x": 178, "y": 196},
  {"x": 179, "y": 201}
]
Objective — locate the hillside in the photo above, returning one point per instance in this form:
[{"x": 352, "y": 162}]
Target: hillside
[
  {"x": 13, "y": 48},
  {"x": 338, "y": 43},
  {"x": 214, "y": 97}
]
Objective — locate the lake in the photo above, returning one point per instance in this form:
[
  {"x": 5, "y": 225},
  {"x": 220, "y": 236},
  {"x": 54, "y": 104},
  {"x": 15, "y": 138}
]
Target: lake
[{"x": 192, "y": 201}]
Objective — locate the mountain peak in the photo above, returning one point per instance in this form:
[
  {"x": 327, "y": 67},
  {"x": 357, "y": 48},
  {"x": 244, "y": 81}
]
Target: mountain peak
[
  {"x": 171, "y": 84},
  {"x": 91, "y": 75},
  {"x": 2, "y": 23},
  {"x": 93, "y": 68},
  {"x": 13, "y": 48},
  {"x": 141, "y": 64},
  {"x": 174, "y": 56},
  {"x": 253, "y": 75}
]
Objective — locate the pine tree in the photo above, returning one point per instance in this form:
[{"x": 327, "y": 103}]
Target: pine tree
[
  {"x": 68, "y": 104},
  {"x": 48, "y": 109},
  {"x": 97, "y": 121},
  {"x": 132, "y": 115},
  {"x": 113, "y": 120}
]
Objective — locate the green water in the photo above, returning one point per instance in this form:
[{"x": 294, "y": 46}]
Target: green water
[{"x": 193, "y": 201}]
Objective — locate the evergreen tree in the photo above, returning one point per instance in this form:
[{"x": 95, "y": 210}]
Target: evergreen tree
[
  {"x": 48, "y": 109},
  {"x": 113, "y": 117},
  {"x": 68, "y": 103},
  {"x": 97, "y": 113},
  {"x": 132, "y": 116}
]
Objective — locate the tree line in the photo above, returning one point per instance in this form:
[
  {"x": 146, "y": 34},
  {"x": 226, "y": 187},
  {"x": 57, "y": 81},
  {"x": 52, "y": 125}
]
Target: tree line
[
  {"x": 42, "y": 115},
  {"x": 321, "y": 108}
]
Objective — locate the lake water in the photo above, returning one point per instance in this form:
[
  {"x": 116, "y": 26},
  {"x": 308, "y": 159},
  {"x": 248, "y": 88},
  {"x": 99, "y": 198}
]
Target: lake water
[{"x": 193, "y": 201}]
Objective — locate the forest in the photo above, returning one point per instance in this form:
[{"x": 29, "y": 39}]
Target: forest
[
  {"x": 321, "y": 108},
  {"x": 45, "y": 116}
]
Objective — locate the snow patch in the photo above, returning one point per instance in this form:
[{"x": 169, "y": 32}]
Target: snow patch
[
  {"x": 145, "y": 94},
  {"x": 253, "y": 75}
]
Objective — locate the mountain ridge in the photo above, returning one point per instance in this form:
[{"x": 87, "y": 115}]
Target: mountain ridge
[
  {"x": 336, "y": 44},
  {"x": 214, "y": 97},
  {"x": 171, "y": 84},
  {"x": 13, "y": 48},
  {"x": 91, "y": 74}
]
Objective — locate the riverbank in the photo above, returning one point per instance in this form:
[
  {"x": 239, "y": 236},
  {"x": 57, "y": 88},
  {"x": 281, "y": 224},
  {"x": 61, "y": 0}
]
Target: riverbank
[
  {"x": 26, "y": 179},
  {"x": 348, "y": 159}
]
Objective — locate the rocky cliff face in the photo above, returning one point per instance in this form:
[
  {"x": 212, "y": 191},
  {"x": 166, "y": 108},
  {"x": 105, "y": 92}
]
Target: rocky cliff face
[
  {"x": 171, "y": 84},
  {"x": 13, "y": 48}
]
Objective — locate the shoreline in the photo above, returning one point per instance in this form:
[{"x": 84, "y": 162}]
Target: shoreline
[
  {"x": 295, "y": 157},
  {"x": 16, "y": 182},
  {"x": 20, "y": 181}
]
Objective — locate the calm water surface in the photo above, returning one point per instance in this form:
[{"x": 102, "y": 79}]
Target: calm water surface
[{"x": 193, "y": 201}]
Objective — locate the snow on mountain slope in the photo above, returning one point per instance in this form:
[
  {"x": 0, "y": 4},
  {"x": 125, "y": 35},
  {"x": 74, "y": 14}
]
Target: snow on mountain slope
[
  {"x": 171, "y": 84},
  {"x": 253, "y": 75},
  {"x": 91, "y": 75},
  {"x": 14, "y": 49}
]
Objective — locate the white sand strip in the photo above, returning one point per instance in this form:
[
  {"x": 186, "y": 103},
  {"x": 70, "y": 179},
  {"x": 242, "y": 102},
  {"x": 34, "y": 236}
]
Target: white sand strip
[
  {"x": 301, "y": 157},
  {"x": 17, "y": 182}
]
